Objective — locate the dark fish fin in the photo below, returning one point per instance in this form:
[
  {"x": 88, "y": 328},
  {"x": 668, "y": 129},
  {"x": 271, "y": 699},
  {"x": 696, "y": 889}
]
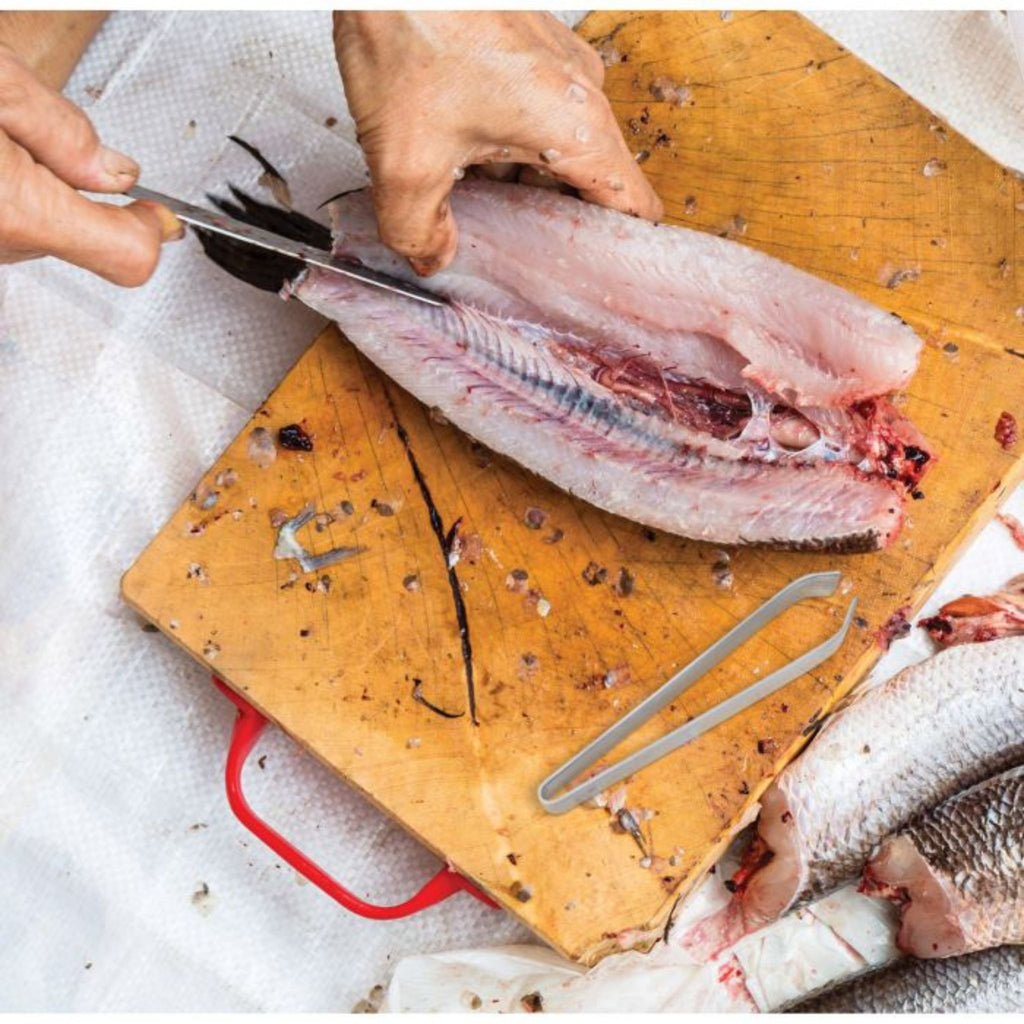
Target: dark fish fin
[
  {"x": 261, "y": 268},
  {"x": 348, "y": 192},
  {"x": 289, "y": 223},
  {"x": 256, "y": 154}
]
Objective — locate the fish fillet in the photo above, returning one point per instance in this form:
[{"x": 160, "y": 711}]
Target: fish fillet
[
  {"x": 971, "y": 619},
  {"x": 991, "y": 981},
  {"x": 678, "y": 379},
  {"x": 928, "y": 733},
  {"x": 957, "y": 871}
]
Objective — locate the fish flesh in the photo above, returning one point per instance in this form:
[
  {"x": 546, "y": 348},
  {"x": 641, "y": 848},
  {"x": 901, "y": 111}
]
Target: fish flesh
[
  {"x": 928, "y": 733},
  {"x": 971, "y": 619},
  {"x": 957, "y": 872},
  {"x": 991, "y": 981},
  {"x": 681, "y": 380}
]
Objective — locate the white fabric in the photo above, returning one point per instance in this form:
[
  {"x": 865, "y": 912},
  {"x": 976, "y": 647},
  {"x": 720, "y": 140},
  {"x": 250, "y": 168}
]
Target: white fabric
[
  {"x": 961, "y": 65},
  {"x": 112, "y": 404}
]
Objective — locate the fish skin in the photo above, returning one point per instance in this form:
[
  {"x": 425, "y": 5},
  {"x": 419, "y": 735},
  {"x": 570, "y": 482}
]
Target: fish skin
[
  {"x": 519, "y": 359},
  {"x": 957, "y": 871},
  {"x": 990, "y": 981},
  {"x": 971, "y": 619},
  {"x": 928, "y": 733}
]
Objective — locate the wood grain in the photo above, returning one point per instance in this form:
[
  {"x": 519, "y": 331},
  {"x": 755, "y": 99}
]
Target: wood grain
[{"x": 787, "y": 142}]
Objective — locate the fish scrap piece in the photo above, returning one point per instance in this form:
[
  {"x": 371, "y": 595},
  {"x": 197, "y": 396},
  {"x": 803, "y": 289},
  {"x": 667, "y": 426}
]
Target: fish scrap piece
[
  {"x": 957, "y": 872},
  {"x": 684, "y": 381},
  {"x": 1015, "y": 526},
  {"x": 928, "y": 733},
  {"x": 288, "y": 545},
  {"x": 971, "y": 619},
  {"x": 991, "y": 981}
]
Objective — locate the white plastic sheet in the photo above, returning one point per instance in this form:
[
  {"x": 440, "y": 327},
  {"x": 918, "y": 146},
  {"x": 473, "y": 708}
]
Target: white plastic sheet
[{"x": 127, "y": 883}]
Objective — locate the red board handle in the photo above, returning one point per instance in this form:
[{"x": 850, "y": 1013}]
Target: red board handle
[{"x": 248, "y": 726}]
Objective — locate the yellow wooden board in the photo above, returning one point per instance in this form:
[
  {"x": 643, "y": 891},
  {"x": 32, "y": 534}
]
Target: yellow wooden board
[{"x": 771, "y": 133}]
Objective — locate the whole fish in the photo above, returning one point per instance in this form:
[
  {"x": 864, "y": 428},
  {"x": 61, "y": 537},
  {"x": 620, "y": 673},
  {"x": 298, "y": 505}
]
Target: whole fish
[
  {"x": 957, "y": 871},
  {"x": 678, "y": 379},
  {"x": 991, "y": 981},
  {"x": 928, "y": 733},
  {"x": 971, "y": 619}
]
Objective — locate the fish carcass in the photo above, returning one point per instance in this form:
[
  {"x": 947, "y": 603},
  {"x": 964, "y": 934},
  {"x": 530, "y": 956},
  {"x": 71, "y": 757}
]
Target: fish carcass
[
  {"x": 678, "y": 379},
  {"x": 957, "y": 872},
  {"x": 931, "y": 731},
  {"x": 991, "y": 981}
]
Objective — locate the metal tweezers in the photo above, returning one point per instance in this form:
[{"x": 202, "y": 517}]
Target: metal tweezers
[{"x": 819, "y": 584}]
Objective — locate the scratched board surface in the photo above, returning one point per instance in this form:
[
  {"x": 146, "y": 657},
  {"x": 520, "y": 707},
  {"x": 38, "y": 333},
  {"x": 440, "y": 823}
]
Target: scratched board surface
[{"x": 757, "y": 126}]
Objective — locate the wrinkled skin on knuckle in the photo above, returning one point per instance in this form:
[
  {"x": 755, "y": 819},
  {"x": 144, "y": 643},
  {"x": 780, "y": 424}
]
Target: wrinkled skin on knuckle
[
  {"x": 15, "y": 242},
  {"x": 76, "y": 131},
  {"x": 593, "y": 65}
]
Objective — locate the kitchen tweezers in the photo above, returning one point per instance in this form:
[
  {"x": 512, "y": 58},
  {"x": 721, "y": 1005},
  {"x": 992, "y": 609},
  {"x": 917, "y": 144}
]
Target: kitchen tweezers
[{"x": 818, "y": 584}]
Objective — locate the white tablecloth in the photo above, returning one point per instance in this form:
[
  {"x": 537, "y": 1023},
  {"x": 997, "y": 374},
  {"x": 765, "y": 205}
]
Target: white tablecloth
[{"x": 127, "y": 883}]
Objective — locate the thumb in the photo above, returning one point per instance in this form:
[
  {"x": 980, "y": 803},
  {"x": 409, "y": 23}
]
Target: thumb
[
  {"x": 119, "y": 243},
  {"x": 414, "y": 216}
]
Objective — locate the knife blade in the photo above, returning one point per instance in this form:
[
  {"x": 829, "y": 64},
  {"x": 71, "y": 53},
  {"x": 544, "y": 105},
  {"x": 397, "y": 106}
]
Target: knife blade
[{"x": 222, "y": 224}]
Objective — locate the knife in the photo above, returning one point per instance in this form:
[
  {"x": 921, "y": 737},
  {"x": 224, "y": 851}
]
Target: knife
[{"x": 222, "y": 224}]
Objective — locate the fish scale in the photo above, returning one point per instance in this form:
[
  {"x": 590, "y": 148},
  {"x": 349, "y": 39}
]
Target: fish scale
[
  {"x": 957, "y": 871},
  {"x": 990, "y": 981}
]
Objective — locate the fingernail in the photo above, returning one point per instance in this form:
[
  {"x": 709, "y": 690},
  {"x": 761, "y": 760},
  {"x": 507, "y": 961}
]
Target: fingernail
[
  {"x": 117, "y": 165},
  {"x": 426, "y": 266},
  {"x": 171, "y": 229}
]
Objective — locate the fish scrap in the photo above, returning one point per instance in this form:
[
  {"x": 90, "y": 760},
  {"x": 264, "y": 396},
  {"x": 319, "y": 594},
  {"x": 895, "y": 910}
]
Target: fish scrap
[
  {"x": 971, "y": 619},
  {"x": 931, "y": 731},
  {"x": 289, "y": 546},
  {"x": 956, "y": 872}
]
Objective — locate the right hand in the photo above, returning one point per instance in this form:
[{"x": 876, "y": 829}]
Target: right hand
[
  {"x": 49, "y": 150},
  {"x": 435, "y": 92}
]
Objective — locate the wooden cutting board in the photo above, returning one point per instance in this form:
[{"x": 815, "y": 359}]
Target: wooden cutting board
[{"x": 754, "y": 125}]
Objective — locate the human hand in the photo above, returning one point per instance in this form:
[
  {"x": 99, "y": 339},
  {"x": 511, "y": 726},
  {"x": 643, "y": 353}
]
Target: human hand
[
  {"x": 48, "y": 150},
  {"x": 433, "y": 93}
]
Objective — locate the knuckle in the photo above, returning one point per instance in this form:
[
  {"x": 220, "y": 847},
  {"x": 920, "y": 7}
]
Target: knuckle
[
  {"x": 77, "y": 130},
  {"x": 404, "y": 177},
  {"x": 18, "y": 199}
]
